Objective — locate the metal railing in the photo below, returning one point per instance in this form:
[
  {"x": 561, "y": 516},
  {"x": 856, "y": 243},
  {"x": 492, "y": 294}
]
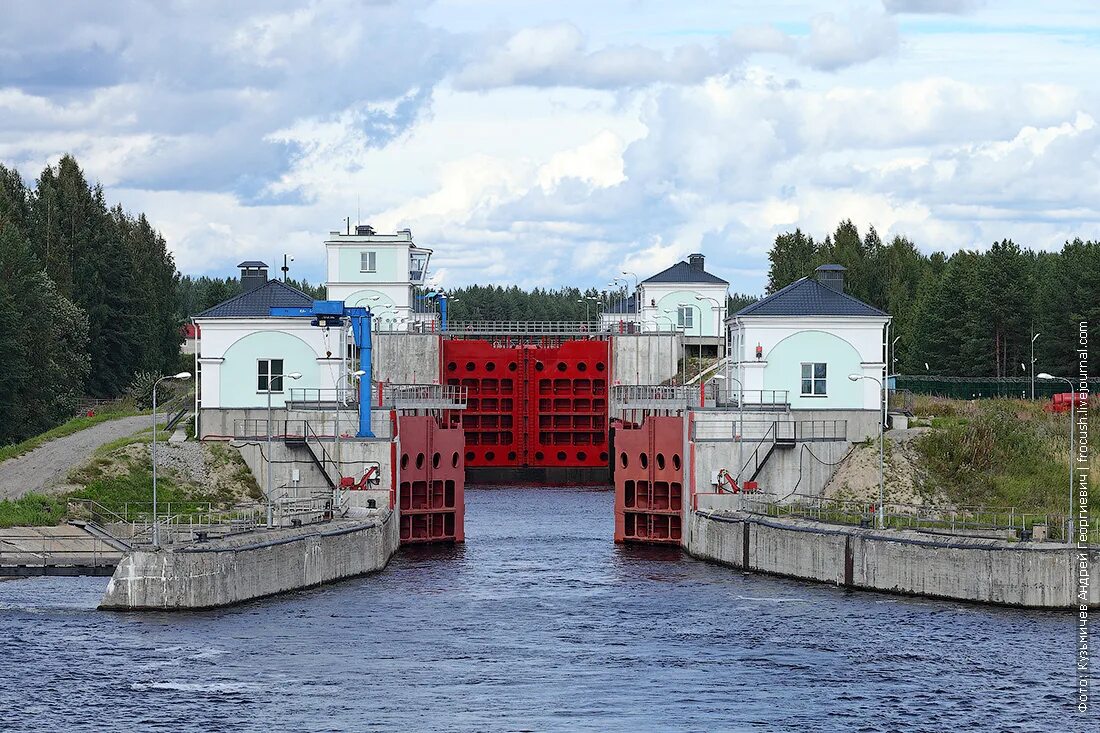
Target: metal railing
[
  {"x": 323, "y": 429},
  {"x": 720, "y": 396},
  {"x": 727, "y": 429},
  {"x": 994, "y": 522},
  {"x": 425, "y": 396},
  {"x": 26, "y": 553},
  {"x": 508, "y": 328},
  {"x": 186, "y": 527},
  {"x": 329, "y": 396},
  {"x": 641, "y": 396}
]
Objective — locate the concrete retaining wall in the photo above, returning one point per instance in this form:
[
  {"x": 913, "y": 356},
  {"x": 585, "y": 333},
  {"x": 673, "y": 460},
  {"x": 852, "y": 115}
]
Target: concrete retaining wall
[
  {"x": 405, "y": 358},
  {"x": 1039, "y": 575},
  {"x": 645, "y": 358},
  {"x": 787, "y": 470},
  {"x": 251, "y": 566}
]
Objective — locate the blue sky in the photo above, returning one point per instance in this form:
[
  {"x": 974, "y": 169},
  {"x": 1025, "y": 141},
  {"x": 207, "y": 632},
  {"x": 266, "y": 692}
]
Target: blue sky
[{"x": 562, "y": 142}]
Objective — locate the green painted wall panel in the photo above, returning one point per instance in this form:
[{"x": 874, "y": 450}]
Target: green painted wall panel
[
  {"x": 238, "y": 371},
  {"x": 784, "y": 370},
  {"x": 391, "y": 264}
]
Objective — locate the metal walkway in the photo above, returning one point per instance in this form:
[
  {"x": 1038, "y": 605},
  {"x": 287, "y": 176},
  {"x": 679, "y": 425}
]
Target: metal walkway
[{"x": 65, "y": 550}]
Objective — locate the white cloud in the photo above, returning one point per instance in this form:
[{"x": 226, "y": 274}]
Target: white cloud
[{"x": 836, "y": 43}]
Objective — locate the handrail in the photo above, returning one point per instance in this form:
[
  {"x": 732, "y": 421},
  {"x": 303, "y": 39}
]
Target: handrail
[
  {"x": 324, "y": 457},
  {"x": 900, "y": 515},
  {"x": 754, "y": 457}
]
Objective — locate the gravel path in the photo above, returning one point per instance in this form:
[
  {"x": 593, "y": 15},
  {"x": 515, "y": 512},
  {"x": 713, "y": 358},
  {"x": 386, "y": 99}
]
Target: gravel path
[{"x": 47, "y": 466}]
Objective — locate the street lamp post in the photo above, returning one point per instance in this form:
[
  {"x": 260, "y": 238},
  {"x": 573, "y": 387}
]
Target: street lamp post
[
  {"x": 718, "y": 317},
  {"x": 270, "y": 456},
  {"x": 671, "y": 340},
  {"x": 637, "y": 296},
  {"x": 1033, "y": 337},
  {"x": 339, "y": 458},
  {"x": 700, "y": 309},
  {"x": 881, "y": 451},
  {"x": 1072, "y": 421},
  {"x": 156, "y": 525}
]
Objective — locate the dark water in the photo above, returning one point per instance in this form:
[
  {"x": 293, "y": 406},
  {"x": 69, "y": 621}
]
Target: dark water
[{"x": 538, "y": 623}]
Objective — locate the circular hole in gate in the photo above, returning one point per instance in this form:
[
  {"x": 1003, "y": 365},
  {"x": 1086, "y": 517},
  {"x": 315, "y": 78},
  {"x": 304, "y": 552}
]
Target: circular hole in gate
[
  {"x": 582, "y": 367},
  {"x": 623, "y": 459},
  {"x": 404, "y": 460},
  {"x": 469, "y": 455},
  {"x": 436, "y": 458},
  {"x": 489, "y": 455},
  {"x": 676, "y": 461},
  {"x": 661, "y": 461},
  {"x": 511, "y": 455},
  {"x": 603, "y": 456},
  {"x": 420, "y": 460},
  {"x": 469, "y": 366},
  {"x": 562, "y": 366},
  {"x": 600, "y": 366},
  {"x": 539, "y": 366},
  {"x": 561, "y": 455},
  {"x": 582, "y": 456},
  {"x": 644, "y": 460},
  {"x": 491, "y": 366},
  {"x": 512, "y": 366},
  {"x": 454, "y": 459},
  {"x": 451, "y": 366},
  {"x": 538, "y": 455}
]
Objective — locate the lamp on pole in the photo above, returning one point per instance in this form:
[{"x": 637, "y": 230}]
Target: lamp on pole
[
  {"x": 637, "y": 296},
  {"x": 671, "y": 340},
  {"x": 339, "y": 460},
  {"x": 718, "y": 317},
  {"x": 156, "y": 526},
  {"x": 700, "y": 309},
  {"x": 270, "y": 462},
  {"x": 881, "y": 452},
  {"x": 1033, "y": 337},
  {"x": 1072, "y": 421}
]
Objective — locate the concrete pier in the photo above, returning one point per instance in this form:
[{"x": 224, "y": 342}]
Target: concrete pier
[
  {"x": 1022, "y": 574},
  {"x": 253, "y": 565}
]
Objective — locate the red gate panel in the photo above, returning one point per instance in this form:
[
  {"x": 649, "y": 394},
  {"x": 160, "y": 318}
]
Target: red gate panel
[
  {"x": 432, "y": 486},
  {"x": 649, "y": 481},
  {"x": 532, "y": 405}
]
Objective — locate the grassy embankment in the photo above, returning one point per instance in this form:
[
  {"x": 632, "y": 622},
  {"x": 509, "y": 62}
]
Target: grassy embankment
[
  {"x": 997, "y": 453},
  {"x": 119, "y": 478}
]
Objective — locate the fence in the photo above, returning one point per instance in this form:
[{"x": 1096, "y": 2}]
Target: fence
[
  {"x": 969, "y": 388},
  {"x": 720, "y": 396},
  {"x": 1010, "y": 522},
  {"x": 320, "y": 429},
  {"x": 727, "y": 429},
  {"x": 509, "y": 328},
  {"x": 425, "y": 396}
]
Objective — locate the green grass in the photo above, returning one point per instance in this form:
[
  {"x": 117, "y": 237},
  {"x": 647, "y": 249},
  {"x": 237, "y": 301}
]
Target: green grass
[
  {"x": 32, "y": 510},
  {"x": 72, "y": 426},
  {"x": 998, "y": 453}
]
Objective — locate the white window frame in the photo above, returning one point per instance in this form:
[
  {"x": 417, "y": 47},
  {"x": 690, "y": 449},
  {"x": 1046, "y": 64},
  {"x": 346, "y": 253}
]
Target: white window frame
[
  {"x": 685, "y": 317},
  {"x": 368, "y": 261},
  {"x": 263, "y": 371},
  {"x": 813, "y": 379}
]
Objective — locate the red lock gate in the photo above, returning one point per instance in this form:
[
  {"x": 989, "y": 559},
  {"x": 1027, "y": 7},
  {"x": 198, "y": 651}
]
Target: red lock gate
[
  {"x": 432, "y": 481},
  {"x": 649, "y": 481}
]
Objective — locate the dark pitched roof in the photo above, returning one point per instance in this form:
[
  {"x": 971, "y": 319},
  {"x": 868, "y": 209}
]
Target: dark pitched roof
[
  {"x": 808, "y": 297},
  {"x": 252, "y": 263},
  {"x": 257, "y": 303},
  {"x": 684, "y": 272}
]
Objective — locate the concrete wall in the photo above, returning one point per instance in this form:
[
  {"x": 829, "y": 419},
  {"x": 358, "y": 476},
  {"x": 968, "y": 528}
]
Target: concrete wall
[
  {"x": 645, "y": 358},
  {"x": 251, "y": 566},
  {"x": 356, "y": 456},
  {"x": 788, "y": 470},
  {"x": 1039, "y": 575},
  {"x": 405, "y": 358}
]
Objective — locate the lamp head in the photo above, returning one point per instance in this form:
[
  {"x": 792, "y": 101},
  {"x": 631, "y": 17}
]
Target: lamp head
[
  {"x": 294, "y": 375},
  {"x": 182, "y": 375},
  {"x": 855, "y": 377},
  {"x": 1044, "y": 375}
]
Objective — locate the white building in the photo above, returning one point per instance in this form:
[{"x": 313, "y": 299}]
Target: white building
[
  {"x": 381, "y": 272},
  {"x": 242, "y": 350},
  {"x": 684, "y": 296},
  {"x": 805, "y": 340}
]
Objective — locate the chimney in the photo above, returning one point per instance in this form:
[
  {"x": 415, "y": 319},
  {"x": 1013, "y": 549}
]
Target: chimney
[
  {"x": 831, "y": 276},
  {"x": 364, "y": 230},
  {"x": 696, "y": 261},
  {"x": 253, "y": 275}
]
